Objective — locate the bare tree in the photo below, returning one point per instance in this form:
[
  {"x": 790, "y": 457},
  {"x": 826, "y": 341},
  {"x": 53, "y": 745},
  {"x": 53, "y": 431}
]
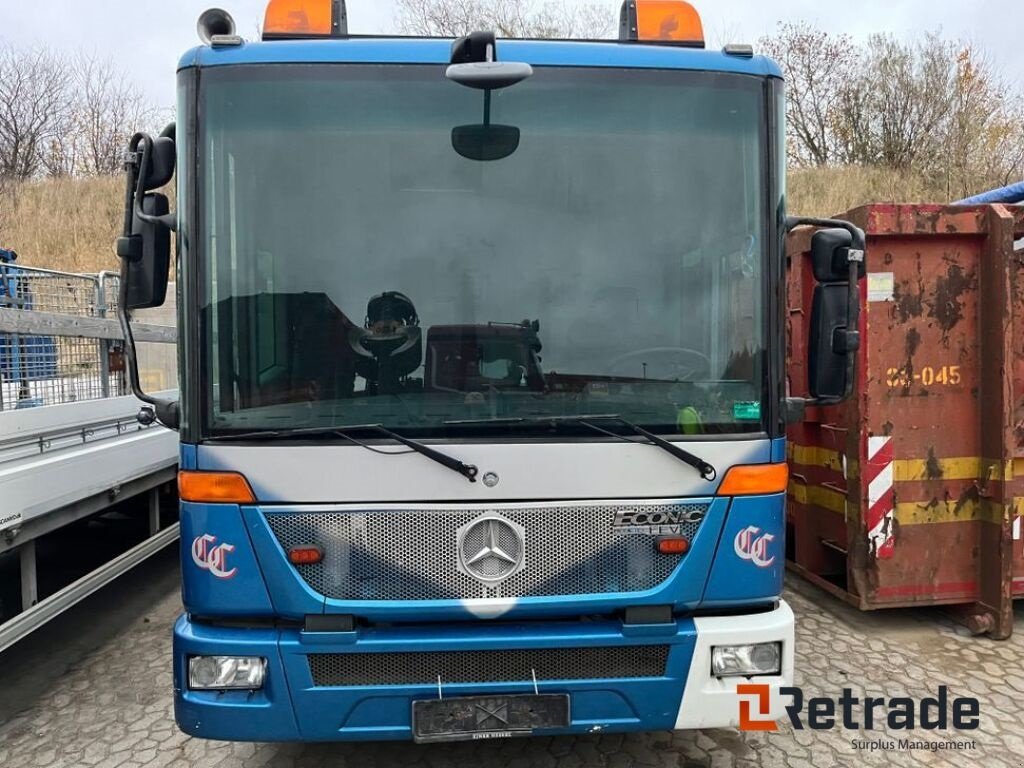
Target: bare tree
[
  {"x": 59, "y": 155},
  {"x": 33, "y": 90},
  {"x": 909, "y": 91},
  {"x": 983, "y": 140},
  {"x": 932, "y": 110},
  {"x": 509, "y": 18},
  {"x": 65, "y": 117},
  {"x": 110, "y": 108},
  {"x": 8, "y": 202},
  {"x": 818, "y": 66}
]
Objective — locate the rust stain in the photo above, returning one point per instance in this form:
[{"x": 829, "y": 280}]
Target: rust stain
[
  {"x": 913, "y": 341},
  {"x": 926, "y": 220},
  {"x": 969, "y": 495},
  {"x": 947, "y": 308},
  {"x": 909, "y": 303},
  {"x": 932, "y": 468}
]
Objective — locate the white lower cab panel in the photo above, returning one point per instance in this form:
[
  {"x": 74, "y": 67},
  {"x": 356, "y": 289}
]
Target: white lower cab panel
[
  {"x": 711, "y": 702},
  {"x": 57, "y": 455}
]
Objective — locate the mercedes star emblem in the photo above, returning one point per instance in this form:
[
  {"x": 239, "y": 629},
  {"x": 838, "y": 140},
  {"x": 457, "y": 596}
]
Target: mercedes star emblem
[{"x": 491, "y": 548}]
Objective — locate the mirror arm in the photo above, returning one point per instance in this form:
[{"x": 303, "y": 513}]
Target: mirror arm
[
  {"x": 792, "y": 222},
  {"x": 170, "y": 221},
  {"x": 167, "y": 412}
]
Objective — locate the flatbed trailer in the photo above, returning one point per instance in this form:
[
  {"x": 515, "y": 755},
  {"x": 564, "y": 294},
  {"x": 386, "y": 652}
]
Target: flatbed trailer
[{"x": 71, "y": 447}]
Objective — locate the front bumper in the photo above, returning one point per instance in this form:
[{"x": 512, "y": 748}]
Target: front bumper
[{"x": 291, "y": 707}]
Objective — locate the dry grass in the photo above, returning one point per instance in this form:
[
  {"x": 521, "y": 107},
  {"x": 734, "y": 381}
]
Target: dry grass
[
  {"x": 832, "y": 191},
  {"x": 67, "y": 224},
  {"x": 71, "y": 224}
]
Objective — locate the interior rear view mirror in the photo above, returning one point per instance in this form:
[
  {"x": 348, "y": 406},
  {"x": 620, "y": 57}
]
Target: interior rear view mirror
[{"x": 485, "y": 142}]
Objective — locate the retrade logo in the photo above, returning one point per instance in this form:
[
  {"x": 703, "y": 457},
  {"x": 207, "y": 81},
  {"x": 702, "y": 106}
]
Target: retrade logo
[
  {"x": 850, "y": 712},
  {"x": 749, "y": 545},
  {"x": 213, "y": 557},
  {"x": 759, "y": 695}
]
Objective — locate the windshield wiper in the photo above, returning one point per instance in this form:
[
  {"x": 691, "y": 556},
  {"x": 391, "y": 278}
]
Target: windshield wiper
[
  {"x": 706, "y": 470},
  {"x": 469, "y": 471}
]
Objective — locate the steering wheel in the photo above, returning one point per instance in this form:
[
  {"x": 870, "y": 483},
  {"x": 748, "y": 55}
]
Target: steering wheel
[{"x": 655, "y": 363}]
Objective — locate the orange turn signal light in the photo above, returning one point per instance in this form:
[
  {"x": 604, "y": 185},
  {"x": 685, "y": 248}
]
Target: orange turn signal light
[
  {"x": 672, "y": 21},
  {"x": 299, "y": 18},
  {"x": 673, "y": 545},
  {"x": 755, "y": 480},
  {"x": 305, "y": 554},
  {"x": 214, "y": 488}
]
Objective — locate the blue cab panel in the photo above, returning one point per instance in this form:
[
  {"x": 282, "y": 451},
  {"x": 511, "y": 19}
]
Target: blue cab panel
[
  {"x": 536, "y": 52},
  {"x": 220, "y": 574},
  {"x": 311, "y": 712},
  {"x": 751, "y": 559}
]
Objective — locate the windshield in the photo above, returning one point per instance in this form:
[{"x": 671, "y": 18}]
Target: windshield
[{"x": 359, "y": 270}]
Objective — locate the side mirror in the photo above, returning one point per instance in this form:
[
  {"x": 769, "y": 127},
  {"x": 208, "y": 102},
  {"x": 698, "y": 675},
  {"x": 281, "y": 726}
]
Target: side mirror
[
  {"x": 827, "y": 349},
  {"x": 829, "y": 345},
  {"x": 145, "y": 251},
  {"x": 830, "y": 256},
  {"x": 838, "y": 263},
  {"x": 146, "y": 256},
  {"x": 160, "y": 169}
]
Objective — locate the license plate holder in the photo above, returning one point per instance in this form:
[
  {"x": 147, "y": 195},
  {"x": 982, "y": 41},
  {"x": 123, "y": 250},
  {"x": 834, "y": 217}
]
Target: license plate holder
[{"x": 468, "y": 718}]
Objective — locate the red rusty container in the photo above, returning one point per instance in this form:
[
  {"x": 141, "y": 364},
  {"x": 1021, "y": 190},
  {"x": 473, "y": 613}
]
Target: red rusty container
[{"x": 911, "y": 493}]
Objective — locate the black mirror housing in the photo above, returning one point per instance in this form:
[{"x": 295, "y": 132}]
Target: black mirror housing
[
  {"x": 829, "y": 348},
  {"x": 830, "y": 256},
  {"x": 146, "y": 270},
  {"x": 485, "y": 143},
  {"x": 838, "y": 262},
  {"x": 162, "y": 159},
  {"x": 145, "y": 251}
]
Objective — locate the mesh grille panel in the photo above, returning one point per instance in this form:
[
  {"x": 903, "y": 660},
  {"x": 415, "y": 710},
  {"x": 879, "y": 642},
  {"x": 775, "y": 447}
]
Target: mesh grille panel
[
  {"x": 412, "y": 554},
  {"x": 340, "y": 669}
]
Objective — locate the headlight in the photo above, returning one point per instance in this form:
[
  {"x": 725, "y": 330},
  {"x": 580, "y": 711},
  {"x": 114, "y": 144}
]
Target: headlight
[
  {"x": 746, "y": 660},
  {"x": 221, "y": 673}
]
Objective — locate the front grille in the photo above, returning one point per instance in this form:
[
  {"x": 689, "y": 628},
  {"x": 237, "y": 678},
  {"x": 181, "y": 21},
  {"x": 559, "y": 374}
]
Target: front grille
[
  {"x": 412, "y": 554},
  {"x": 341, "y": 669}
]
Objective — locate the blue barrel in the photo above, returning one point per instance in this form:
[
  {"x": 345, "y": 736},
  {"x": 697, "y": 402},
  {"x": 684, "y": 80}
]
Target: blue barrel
[{"x": 22, "y": 358}]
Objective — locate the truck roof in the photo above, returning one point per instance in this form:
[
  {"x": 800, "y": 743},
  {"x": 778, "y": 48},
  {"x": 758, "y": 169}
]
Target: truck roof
[{"x": 406, "y": 50}]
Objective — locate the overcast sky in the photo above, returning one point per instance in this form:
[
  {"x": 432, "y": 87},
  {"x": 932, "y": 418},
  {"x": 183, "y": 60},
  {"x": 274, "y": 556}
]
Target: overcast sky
[{"x": 148, "y": 36}]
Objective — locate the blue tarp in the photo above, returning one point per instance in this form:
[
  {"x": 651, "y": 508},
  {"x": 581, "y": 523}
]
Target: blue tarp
[{"x": 1011, "y": 194}]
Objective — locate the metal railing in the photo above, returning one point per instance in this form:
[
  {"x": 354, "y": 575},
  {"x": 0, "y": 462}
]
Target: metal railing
[{"x": 67, "y": 359}]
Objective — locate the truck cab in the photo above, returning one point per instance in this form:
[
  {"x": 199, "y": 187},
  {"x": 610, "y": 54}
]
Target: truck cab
[
  {"x": 484, "y": 358},
  {"x": 404, "y": 519}
]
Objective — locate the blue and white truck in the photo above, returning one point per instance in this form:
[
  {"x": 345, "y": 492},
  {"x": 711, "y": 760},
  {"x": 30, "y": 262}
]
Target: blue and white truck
[{"x": 409, "y": 513}]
